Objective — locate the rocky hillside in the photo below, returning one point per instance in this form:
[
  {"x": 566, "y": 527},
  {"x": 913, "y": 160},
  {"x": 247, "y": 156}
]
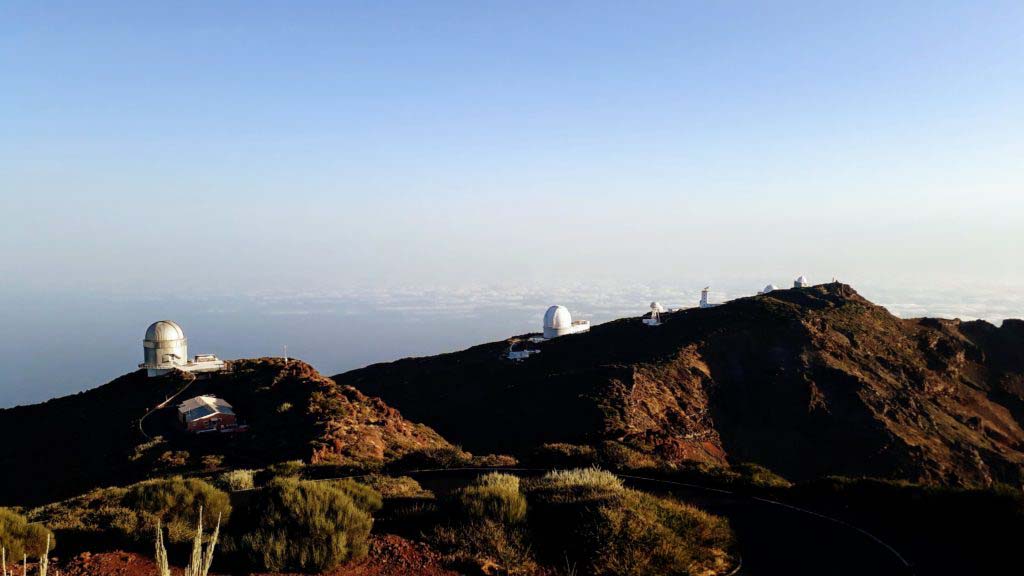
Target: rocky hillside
[
  {"x": 67, "y": 445},
  {"x": 807, "y": 382}
]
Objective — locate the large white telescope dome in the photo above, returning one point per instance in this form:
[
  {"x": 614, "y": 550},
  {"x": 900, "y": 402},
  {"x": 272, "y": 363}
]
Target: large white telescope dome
[
  {"x": 557, "y": 317},
  {"x": 558, "y": 322},
  {"x": 163, "y": 331},
  {"x": 164, "y": 347}
]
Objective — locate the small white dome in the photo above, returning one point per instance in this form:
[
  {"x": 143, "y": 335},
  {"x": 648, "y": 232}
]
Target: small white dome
[
  {"x": 801, "y": 282},
  {"x": 557, "y": 317},
  {"x": 769, "y": 288},
  {"x": 163, "y": 331},
  {"x": 657, "y": 307}
]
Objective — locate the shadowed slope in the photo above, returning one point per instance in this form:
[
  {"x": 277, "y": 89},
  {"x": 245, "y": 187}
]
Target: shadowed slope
[{"x": 807, "y": 381}]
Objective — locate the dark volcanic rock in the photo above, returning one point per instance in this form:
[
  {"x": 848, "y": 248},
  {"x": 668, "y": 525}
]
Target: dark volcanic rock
[{"x": 808, "y": 382}]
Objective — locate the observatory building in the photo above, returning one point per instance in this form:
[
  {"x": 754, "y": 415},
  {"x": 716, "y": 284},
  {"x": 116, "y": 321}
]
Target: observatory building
[
  {"x": 165, "y": 348},
  {"x": 769, "y": 288},
  {"x": 656, "y": 311},
  {"x": 704, "y": 298},
  {"x": 558, "y": 322},
  {"x": 801, "y": 282}
]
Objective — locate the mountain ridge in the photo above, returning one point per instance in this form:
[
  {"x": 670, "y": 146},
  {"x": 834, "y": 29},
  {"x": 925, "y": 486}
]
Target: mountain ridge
[{"x": 807, "y": 381}]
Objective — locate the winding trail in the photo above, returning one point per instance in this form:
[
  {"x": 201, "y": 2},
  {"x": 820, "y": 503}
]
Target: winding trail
[{"x": 192, "y": 378}]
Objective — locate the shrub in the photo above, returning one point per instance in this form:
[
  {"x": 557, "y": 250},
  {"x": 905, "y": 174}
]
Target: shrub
[
  {"x": 494, "y": 461},
  {"x": 487, "y": 528},
  {"x": 212, "y": 462},
  {"x": 587, "y": 519},
  {"x": 173, "y": 459},
  {"x": 618, "y": 456},
  {"x": 237, "y": 480},
  {"x": 396, "y": 486},
  {"x": 304, "y": 525},
  {"x": 592, "y": 478},
  {"x": 287, "y": 469},
  {"x": 19, "y": 537},
  {"x": 564, "y": 455},
  {"x": 365, "y": 497},
  {"x": 176, "y": 501},
  {"x": 439, "y": 457},
  {"x": 494, "y": 497}
]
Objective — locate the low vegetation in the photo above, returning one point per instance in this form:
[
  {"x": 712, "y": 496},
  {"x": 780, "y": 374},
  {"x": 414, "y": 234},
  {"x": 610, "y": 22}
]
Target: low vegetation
[
  {"x": 19, "y": 538},
  {"x": 581, "y": 521},
  {"x": 174, "y": 502},
  {"x": 237, "y": 480},
  {"x": 126, "y": 516},
  {"x": 589, "y": 520},
  {"x": 486, "y": 529},
  {"x": 308, "y": 526},
  {"x": 396, "y": 486},
  {"x": 494, "y": 497}
]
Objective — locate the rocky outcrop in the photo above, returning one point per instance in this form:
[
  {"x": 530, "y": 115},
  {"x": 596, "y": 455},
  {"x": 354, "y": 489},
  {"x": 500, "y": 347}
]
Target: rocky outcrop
[{"x": 808, "y": 382}]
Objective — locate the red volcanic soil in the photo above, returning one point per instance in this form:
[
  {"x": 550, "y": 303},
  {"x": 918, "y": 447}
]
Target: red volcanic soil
[{"x": 389, "y": 555}]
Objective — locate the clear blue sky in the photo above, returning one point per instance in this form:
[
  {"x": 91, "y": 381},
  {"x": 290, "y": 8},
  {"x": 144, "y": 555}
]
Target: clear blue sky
[{"x": 300, "y": 145}]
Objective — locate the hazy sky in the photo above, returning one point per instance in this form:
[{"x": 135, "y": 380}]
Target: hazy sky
[{"x": 240, "y": 146}]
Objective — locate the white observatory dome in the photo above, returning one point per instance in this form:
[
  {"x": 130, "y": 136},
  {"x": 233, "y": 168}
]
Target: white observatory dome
[
  {"x": 657, "y": 307},
  {"x": 557, "y": 317},
  {"x": 163, "y": 331},
  {"x": 164, "y": 347},
  {"x": 801, "y": 282},
  {"x": 769, "y": 288},
  {"x": 558, "y": 322}
]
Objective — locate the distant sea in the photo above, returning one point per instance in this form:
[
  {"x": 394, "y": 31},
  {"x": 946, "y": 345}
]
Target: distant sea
[{"x": 54, "y": 345}]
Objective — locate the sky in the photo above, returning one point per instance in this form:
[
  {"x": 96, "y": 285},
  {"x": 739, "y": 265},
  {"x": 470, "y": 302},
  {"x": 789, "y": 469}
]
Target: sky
[
  {"x": 159, "y": 160},
  {"x": 238, "y": 146}
]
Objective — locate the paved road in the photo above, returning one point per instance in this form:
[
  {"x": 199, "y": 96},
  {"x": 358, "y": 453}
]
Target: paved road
[{"x": 773, "y": 538}]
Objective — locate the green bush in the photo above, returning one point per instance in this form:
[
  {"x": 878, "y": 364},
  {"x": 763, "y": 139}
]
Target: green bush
[
  {"x": 618, "y": 456},
  {"x": 20, "y": 538},
  {"x": 396, "y": 486},
  {"x": 439, "y": 457},
  {"x": 176, "y": 502},
  {"x": 588, "y": 519},
  {"x": 592, "y": 478},
  {"x": 304, "y": 525},
  {"x": 365, "y": 497},
  {"x": 237, "y": 480},
  {"x": 494, "y": 497},
  {"x": 288, "y": 469},
  {"x": 487, "y": 526}
]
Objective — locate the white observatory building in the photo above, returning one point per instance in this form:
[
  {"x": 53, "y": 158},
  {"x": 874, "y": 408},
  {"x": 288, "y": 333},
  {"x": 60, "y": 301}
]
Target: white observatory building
[
  {"x": 801, "y": 282},
  {"x": 165, "y": 348},
  {"x": 704, "y": 298},
  {"x": 558, "y": 322},
  {"x": 769, "y": 288},
  {"x": 656, "y": 312}
]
